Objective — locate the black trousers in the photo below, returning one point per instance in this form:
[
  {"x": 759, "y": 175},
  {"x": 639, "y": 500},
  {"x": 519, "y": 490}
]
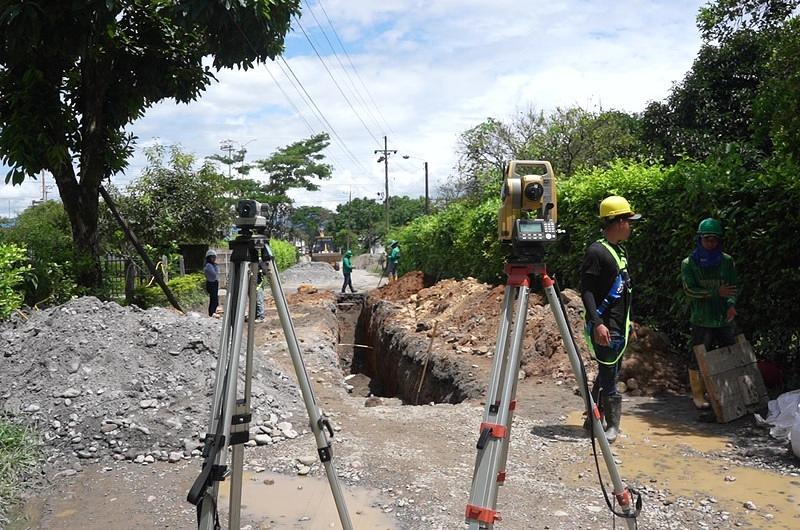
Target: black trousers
[
  {"x": 348, "y": 281},
  {"x": 710, "y": 338},
  {"x": 212, "y": 288}
]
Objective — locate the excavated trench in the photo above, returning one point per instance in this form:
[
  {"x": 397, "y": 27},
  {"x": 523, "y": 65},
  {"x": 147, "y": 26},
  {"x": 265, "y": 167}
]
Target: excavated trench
[{"x": 386, "y": 360}]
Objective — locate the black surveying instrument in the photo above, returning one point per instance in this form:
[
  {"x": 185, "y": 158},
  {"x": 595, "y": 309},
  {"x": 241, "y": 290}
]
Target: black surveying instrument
[
  {"x": 527, "y": 223},
  {"x": 230, "y": 416}
]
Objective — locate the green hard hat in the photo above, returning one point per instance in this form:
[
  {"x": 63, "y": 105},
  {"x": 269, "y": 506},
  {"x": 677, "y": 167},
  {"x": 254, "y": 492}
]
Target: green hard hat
[
  {"x": 709, "y": 227},
  {"x": 348, "y": 253}
]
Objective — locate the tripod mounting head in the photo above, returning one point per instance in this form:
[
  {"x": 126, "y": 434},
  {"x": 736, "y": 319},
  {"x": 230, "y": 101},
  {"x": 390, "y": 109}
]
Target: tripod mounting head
[{"x": 527, "y": 216}]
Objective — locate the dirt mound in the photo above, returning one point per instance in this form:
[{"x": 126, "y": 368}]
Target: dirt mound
[
  {"x": 369, "y": 261},
  {"x": 402, "y": 289},
  {"x": 98, "y": 379},
  {"x": 310, "y": 272},
  {"x": 468, "y": 313}
]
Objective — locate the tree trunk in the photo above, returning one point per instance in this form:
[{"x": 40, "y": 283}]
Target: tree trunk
[{"x": 81, "y": 204}]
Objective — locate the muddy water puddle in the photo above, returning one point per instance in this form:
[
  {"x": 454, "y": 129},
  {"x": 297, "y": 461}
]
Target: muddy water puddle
[
  {"x": 275, "y": 501},
  {"x": 670, "y": 457}
]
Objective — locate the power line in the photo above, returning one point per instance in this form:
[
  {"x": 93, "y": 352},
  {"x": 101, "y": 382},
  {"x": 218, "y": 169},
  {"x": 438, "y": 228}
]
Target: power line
[
  {"x": 355, "y": 70},
  {"x": 297, "y": 20},
  {"x": 286, "y": 96},
  {"x": 355, "y": 90},
  {"x": 322, "y": 116}
]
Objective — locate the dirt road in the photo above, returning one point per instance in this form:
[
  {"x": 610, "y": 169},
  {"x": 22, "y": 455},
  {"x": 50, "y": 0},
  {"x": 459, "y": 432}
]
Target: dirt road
[{"x": 410, "y": 467}]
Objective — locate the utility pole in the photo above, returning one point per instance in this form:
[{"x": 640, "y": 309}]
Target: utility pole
[
  {"x": 427, "y": 201},
  {"x": 227, "y": 145},
  {"x": 385, "y": 152}
]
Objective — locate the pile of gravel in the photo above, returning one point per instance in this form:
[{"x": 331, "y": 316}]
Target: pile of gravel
[
  {"x": 310, "y": 272},
  {"x": 97, "y": 379}
]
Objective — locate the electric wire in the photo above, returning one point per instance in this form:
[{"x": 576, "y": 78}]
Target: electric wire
[
  {"x": 347, "y": 100},
  {"x": 322, "y": 116},
  {"x": 355, "y": 70},
  {"x": 286, "y": 96},
  {"x": 324, "y": 120},
  {"x": 355, "y": 90}
]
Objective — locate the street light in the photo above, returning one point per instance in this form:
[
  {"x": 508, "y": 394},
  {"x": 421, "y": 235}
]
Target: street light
[{"x": 425, "y": 165}]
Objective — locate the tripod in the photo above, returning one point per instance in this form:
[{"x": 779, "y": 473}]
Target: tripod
[
  {"x": 495, "y": 430},
  {"x": 230, "y": 417}
]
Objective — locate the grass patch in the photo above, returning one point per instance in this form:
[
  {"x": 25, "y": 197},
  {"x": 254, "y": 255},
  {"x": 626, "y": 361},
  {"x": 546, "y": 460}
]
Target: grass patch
[{"x": 18, "y": 456}]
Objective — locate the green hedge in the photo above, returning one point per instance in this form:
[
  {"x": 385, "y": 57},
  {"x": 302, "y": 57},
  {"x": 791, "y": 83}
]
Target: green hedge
[
  {"x": 14, "y": 269},
  {"x": 189, "y": 290},
  {"x": 759, "y": 210},
  {"x": 459, "y": 241},
  {"x": 285, "y": 253}
]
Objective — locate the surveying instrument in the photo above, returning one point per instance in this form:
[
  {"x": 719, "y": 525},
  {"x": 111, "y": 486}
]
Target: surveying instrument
[
  {"x": 527, "y": 221},
  {"x": 231, "y": 416}
]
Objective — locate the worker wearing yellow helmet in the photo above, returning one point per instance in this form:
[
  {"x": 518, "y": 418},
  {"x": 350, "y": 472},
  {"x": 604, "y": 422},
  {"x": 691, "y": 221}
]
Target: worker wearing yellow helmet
[{"x": 606, "y": 293}]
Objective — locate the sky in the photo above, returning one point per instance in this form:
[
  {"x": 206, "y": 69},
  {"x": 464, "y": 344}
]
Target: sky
[{"x": 419, "y": 72}]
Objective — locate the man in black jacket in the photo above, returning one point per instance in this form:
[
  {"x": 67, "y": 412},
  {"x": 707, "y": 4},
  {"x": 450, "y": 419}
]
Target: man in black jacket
[{"x": 606, "y": 294}]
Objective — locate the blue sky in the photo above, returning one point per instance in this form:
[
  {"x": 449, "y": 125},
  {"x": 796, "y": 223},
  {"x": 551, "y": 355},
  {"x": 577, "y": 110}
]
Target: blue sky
[{"x": 432, "y": 69}]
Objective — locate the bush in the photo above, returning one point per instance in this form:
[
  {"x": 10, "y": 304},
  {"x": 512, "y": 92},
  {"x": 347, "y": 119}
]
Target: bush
[
  {"x": 285, "y": 253},
  {"x": 459, "y": 241},
  {"x": 14, "y": 269},
  {"x": 44, "y": 230},
  {"x": 189, "y": 290}
]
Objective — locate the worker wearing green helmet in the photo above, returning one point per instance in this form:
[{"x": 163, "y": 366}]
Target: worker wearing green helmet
[
  {"x": 606, "y": 294},
  {"x": 347, "y": 270},
  {"x": 711, "y": 285},
  {"x": 393, "y": 260}
]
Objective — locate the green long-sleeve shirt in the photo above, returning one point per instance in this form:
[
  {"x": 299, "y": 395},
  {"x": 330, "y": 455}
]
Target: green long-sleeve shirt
[
  {"x": 701, "y": 286},
  {"x": 347, "y": 264}
]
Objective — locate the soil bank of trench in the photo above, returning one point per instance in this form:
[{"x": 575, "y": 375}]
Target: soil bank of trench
[{"x": 412, "y": 465}]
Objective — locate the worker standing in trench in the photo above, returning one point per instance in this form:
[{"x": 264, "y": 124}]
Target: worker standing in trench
[
  {"x": 710, "y": 283},
  {"x": 606, "y": 294}
]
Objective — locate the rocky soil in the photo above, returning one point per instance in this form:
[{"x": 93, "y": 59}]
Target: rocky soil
[{"x": 99, "y": 381}]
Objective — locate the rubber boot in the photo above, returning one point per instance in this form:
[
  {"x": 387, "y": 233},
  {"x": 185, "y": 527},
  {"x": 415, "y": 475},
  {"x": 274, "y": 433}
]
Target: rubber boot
[
  {"x": 613, "y": 409},
  {"x": 698, "y": 389}
]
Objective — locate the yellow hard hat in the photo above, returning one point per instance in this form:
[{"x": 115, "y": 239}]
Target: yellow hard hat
[{"x": 614, "y": 206}]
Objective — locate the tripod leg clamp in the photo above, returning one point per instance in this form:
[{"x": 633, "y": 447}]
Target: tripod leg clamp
[
  {"x": 483, "y": 515},
  {"x": 325, "y": 453}
]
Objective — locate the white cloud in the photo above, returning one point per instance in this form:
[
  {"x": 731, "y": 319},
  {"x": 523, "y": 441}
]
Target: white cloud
[{"x": 434, "y": 68}]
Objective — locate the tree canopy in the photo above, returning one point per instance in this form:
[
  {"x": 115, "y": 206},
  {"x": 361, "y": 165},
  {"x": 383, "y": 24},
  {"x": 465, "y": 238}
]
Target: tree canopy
[{"x": 73, "y": 75}]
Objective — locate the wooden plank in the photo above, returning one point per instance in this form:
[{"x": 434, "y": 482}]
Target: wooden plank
[{"x": 732, "y": 380}]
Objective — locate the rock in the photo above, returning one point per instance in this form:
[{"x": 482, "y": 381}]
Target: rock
[
  {"x": 148, "y": 403},
  {"x": 307, "y": 460},
  {"x": 750, "y": 505},
  {"x": 70, "y": 393},
  {"x": 373, "y": 401},
  {"x": 109, "y": 427},
  {"x": 32, "y": 408},
  {"x": 175, "y": 456},
  {"x": 632, "y": 384},
  {"x": 622, "y": 387},
  {"x": 85, "y": 454},
  {"x": 263, "y": 439},
  {"x": 149, "y": 459},
  {"x": 303, "y": 470}
]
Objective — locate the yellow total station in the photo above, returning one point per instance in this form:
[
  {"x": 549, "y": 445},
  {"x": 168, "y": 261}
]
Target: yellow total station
[{"x": 529, "y": 190}]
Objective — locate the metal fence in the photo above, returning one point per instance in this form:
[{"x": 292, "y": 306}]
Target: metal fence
[{"x": 123, "y": 274}]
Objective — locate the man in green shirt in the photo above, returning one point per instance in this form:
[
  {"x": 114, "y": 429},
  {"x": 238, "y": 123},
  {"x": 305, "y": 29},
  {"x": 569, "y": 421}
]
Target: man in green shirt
[
  {"x": 710, "y": 283},
  {"x": 394, "y": 260},
  {"x": 347, "y": 270}
]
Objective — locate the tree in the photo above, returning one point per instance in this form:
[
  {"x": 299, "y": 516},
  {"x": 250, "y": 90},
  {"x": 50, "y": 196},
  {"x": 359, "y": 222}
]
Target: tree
[
  {"x": 570, "y": 138},
  {"x": 173, "y": 202},
  {"x": 362, "y": 217},
  {"x": 73, "y": 75},
  {"x": 715, "y": 104},
  {"x": 308, "y": 220},
  {"x": 290, "y": 167},
  {"x": 403, "y": 210}
]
